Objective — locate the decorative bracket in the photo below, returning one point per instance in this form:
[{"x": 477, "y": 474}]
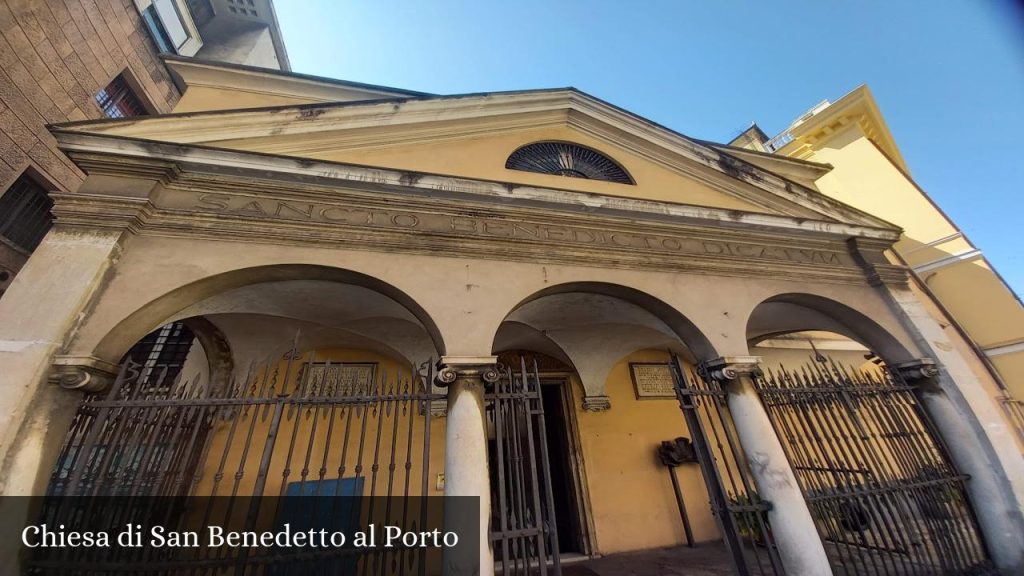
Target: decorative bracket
[
  {"x": 728, "y": 368},
  {"x": 918, "y": 369},
  {"x": 82, "y": 373}
]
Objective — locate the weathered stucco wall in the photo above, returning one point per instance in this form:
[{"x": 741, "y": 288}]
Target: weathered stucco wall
[{"x": 619, "y": 454}]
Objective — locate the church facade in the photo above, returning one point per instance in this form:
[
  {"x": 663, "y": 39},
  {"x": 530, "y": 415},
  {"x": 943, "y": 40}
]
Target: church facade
[{"x": 547, "y": 287}]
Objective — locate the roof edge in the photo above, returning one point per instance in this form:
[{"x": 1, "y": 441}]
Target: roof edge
[
  {"x": 71, "y": 142},
  {"x": 171, "y": 59}
]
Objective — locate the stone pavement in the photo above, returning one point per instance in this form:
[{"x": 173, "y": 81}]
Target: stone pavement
[{"x": 708, "y": 559}]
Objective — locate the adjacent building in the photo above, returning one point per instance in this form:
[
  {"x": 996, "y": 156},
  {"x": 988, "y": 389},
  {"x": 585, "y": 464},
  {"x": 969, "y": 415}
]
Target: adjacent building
[
  {"x": 859, "y": 163},
  {"x": 70, "y": 61}
]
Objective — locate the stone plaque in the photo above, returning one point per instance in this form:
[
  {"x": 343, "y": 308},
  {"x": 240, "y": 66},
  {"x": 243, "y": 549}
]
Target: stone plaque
[
  {"x": 652, "y": 381},
  {"x": 341, "y": 379}
]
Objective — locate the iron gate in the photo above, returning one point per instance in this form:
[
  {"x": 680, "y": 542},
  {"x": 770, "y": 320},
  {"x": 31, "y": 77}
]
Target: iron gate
[
  {"x": 523, "y": 530},
  {"x": 741, "y": 514},
  {"x": 297, "y": 426},
  {"x": 883, "y": 493}
]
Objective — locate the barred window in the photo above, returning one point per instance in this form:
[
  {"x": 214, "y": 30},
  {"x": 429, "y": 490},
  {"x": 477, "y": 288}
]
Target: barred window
[
  {"x": 118, "y": 100},
  {"x": 567, "y": 159},
  {"x": 161, "y": 355},
  {"x": 25, "y": 215}
]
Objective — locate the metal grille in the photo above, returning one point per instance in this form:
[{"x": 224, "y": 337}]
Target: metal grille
[
  {"x": 741, "y": 513},
  {"x": 1015, "y": 412},
  {"x": 118, "y": 100},
  {"x": 25, "y": 215},
  {"x": 564, "y": 159},
  {"x": 298, "y": 426},
  {"x": 523, "y": 528},
  {"x": 161, "y": 354},
  {"x": 884, "y": 495}
]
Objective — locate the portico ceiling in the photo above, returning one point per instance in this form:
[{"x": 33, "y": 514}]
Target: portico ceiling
[
  {"x": 262, "y": 319},
  {"x": 592, "y": 331}
]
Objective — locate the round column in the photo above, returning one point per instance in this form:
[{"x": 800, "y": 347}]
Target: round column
[
  {"x": 465, "y": 453},
  {"x": 800, "y": 547}
]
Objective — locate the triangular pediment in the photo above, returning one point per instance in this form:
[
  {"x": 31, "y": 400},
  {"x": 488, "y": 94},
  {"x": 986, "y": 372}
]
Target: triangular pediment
[{"x": 471, "y": 136}]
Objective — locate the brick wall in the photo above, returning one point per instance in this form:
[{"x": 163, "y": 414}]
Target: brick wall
[{"x": 55, "y": 55}]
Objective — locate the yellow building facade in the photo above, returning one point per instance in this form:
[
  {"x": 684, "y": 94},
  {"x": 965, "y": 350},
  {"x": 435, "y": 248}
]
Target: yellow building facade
[
  {"x": 357, "y": 267},
  {"x": 861, "y": 165}
]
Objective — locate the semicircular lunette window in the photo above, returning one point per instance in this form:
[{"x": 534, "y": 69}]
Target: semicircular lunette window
[{"x": 565, "y": 159}]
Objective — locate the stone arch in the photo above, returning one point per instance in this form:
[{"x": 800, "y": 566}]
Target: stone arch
[
  {"x": 215, "y": 345},
  {"x": 155, "y": 313},
  {"x": 687, "y": 331},
  {"x": 797, "y": 312},
  {"x": 595, "y": 324}
]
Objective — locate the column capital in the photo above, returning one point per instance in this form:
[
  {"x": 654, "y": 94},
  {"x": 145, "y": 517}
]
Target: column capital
[
  {"x": 917, "y": 369},
  {"x": 83, "y": 373},
  {"x": 452, "y": 368},
  {"x": 596, "y": 403},
  {"x": 732, "y": 367}
]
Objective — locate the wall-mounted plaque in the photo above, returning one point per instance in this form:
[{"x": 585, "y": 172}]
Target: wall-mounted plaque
[
  {"x": 340, "y": 379},
  {"x": 652, "y": 380}
]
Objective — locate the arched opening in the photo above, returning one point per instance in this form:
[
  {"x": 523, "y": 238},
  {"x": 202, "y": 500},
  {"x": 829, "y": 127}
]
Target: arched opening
[
  {"x": 275, "y": 381},
  {"x": 602, "y": 430},
  {"x": 878, "y": 481},
  {"x": 786, "y": 314},
  {"x": 293, "y": 291}
]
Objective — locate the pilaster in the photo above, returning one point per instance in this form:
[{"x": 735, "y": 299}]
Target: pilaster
[
  {"x": 40, "y": 311},
  {"x": 971, "y": 424}
]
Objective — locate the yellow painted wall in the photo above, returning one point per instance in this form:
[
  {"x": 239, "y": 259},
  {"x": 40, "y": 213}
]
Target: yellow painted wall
[
  {"x": 484, "y": 157},
  {"x": 631, "y": 496},
  {"x": 865, "y": 178},
  {"x": 205, "y": 98}
]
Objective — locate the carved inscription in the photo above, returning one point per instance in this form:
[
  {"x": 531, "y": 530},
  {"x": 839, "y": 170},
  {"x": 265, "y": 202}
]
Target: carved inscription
[
  {"x": 342, "y": 379},
  {"x": 394, "y": 219},
  {"x": 652, "y": 380}
]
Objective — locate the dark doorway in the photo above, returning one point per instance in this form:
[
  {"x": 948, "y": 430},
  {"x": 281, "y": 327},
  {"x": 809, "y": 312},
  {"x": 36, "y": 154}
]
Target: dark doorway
[{"x": 560, "y": 457}]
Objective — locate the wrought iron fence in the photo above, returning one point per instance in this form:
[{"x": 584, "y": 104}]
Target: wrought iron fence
[
  {"x": 523, "y": 529},
  {"x": 300, "y": 425},
  {"x": 741, "y": 513},
  {"x": 884, "y": 494}
]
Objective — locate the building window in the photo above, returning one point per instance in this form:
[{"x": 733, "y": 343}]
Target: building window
[
  {"x": 166, "y": 25},
  {"x": 565, "y": 159},
  {"x": 202, "y": 11},
  {"x": 25, "y": 215},
  {"x": 118, "y": 100}
]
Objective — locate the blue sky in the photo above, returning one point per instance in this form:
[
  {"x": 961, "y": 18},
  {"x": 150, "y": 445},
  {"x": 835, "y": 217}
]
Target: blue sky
[{"x": 948, "y": 76}]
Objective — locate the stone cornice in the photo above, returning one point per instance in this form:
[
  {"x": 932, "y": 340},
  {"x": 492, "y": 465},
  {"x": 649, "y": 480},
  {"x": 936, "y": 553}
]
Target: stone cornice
[
  {"x": 869, "y": 254},
  {"x": 201, "y": 73},
  {"x": 218, "y": 195},
  {"x": 108, "y": 154},
  {"x": 131, "y": 214},
  {"x": 511, "y": 233},
  {"x": 858, "y": 107}
]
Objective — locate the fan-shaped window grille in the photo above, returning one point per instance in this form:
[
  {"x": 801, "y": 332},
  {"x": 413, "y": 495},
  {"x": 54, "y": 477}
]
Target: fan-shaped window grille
[{"x": 565, "y": 159}]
